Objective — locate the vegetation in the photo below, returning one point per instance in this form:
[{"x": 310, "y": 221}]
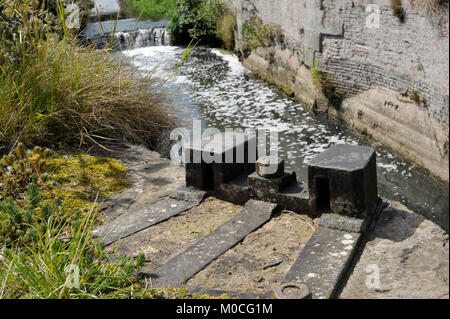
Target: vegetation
[
  {"x": 432, "y": 5},
  {"x": 198, "y": 20},
  {"x": 57, "y": 93},
  {"x": 256, "y": 34},
  {"x": 322, "y": 79},
  {"x": 225, "y": 30},
  {"x": 43, "y": 241},
  {"x": 154, "y": 9}
]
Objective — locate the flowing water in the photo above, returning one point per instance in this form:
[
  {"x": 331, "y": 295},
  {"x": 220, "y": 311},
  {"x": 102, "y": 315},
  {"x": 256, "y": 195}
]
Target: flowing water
[{"x": 217, "y": 89}]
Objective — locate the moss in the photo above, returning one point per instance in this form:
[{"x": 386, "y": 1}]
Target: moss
[
  {"x": 79, "y": 179},
  {"x": 322, "y": 80},
  {"x": 225, "y": 30},
  {"x": 256, "y": 34}
]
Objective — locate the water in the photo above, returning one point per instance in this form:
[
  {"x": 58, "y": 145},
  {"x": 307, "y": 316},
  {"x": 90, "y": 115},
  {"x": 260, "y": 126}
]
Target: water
[
  {"x": 217, "y": 89},
  {"x": 129, "y": 33}
]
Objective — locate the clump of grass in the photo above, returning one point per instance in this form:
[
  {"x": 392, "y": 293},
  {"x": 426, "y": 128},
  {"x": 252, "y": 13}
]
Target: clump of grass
[
  {"x": 56, "y": 93},
  {"x": 64, "y": 265},
  {"x": 322, "y": 80},
  {"x": 65, "y": 95}
]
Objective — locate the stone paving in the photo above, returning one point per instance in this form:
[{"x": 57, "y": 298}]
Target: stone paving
[{"x": 214, "y": 246}]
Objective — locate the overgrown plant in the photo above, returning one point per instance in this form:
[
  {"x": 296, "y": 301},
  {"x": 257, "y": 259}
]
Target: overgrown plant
[
  {"x": 256, "y": 34},
  {"x": 65, "y": 264},
  {"x": 56, "y": 93},
  {"x": 322, "y": 80},
  {"x": 196, "y": 19}
]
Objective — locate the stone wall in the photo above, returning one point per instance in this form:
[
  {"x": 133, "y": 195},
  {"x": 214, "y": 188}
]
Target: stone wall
[{"x": 394, "y": 77}]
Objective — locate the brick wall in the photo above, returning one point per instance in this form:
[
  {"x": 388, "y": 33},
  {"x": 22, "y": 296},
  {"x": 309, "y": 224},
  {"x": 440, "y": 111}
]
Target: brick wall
[{"x": 397, "y": 55}]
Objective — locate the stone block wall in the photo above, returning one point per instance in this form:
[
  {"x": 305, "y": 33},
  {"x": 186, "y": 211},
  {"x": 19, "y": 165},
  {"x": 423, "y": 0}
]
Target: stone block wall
[{"x": 381, "y": 66}]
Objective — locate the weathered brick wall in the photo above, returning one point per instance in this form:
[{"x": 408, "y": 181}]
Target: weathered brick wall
[{"x": 397, "y": 55}]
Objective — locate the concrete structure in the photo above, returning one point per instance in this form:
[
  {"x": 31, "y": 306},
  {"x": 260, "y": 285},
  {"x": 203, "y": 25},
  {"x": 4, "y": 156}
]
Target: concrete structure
[
  {"x": 219, "y": 159},
  {"x": 392, "y": 74},
  {"x": 343, "y": 180}
]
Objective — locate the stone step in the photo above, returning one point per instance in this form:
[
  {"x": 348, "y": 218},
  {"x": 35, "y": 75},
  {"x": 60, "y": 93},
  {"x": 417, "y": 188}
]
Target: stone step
[
  {"x": 182, "y": 267},
  {"x": 132, "y": 223},
  {"x": 324, "y": 260}
]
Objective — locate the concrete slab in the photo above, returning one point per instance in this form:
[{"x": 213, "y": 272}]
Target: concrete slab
[
  {"x": 185, "y": 265},
  {"x": 324, "y": 261},
  {"x": 260, "y": 262},
  {"x": 165, "y": 240},
  {"x": 131, "y": 223}
]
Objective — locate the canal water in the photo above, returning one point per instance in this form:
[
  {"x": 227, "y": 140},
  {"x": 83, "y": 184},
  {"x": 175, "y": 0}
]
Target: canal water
[{"x": 216, "y": 88}]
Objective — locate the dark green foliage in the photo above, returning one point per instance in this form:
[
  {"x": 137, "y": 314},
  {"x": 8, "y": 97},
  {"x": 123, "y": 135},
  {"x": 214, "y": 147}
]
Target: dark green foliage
[{"x": 196, "y": 19}]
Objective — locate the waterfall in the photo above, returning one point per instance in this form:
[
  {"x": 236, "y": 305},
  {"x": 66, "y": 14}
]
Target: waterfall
[
  {"x": 141, "y": 38},
  {"x": 128, "y": 34}
]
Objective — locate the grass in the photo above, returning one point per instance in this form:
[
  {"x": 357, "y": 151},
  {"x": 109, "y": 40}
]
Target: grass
[
  {"x": 62, "y": 265},
  {"x": 154, "y": 9},
  {"x": 57, "y": 93}
]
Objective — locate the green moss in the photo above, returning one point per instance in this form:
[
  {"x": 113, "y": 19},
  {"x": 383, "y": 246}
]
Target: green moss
[
  {"x": 256, "y": 34},
  {"x": 80, "y": 179}
]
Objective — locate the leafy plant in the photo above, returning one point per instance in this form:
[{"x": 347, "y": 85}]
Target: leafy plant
[
  {"x": 21, "y": 168},
  {"x": 196, "y": 19}
]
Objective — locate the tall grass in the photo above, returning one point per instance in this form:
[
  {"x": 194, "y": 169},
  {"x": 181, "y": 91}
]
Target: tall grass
[
  {"x": 55, "y": 92},
  {"x": 62, "y": 266}
]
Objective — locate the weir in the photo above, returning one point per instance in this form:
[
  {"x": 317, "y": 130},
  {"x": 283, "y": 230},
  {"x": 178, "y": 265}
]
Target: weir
[{"x": 127, "y": 33}]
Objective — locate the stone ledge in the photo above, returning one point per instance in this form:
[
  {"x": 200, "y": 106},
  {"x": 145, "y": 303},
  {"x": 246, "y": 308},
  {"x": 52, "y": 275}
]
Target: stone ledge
[{"x": 323, "y": 261}]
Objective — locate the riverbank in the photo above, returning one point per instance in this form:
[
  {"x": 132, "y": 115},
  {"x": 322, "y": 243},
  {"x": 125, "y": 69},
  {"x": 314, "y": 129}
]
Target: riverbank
[{"x": 385, "y": 81}]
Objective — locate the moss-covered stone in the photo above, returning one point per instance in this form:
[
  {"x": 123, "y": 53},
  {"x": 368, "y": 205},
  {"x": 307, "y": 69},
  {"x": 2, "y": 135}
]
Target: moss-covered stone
[{"x": 79, "y": 180}]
